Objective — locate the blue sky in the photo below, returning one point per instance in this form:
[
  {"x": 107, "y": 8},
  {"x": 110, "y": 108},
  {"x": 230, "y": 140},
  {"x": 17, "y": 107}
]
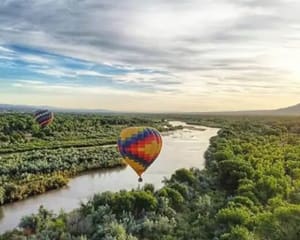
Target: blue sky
[
  {"x": 150, "y": 56},
  {"x": 23, "y": 66}
]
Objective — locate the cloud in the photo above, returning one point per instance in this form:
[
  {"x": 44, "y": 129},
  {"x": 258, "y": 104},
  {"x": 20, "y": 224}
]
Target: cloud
[
  {"x": 56, "y": 72},
  {"x": 184, "y": 46},
  {"x": 35, "y": 59},
  {"x": 5, "y": 50},
  {"x": 33, "y": 82},
  {"x": 64, "y": 88}
]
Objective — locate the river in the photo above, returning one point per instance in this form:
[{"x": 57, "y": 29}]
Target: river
[{"x": 181, "y": 149}]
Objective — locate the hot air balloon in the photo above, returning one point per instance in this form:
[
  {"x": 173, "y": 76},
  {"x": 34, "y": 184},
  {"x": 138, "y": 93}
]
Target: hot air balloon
[
  {"x": 43, "y": 117},
  {"x": 139, "y": 146}
]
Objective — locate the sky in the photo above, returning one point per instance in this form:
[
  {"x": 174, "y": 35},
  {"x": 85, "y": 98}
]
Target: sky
[{"x": 158, "y": 56}]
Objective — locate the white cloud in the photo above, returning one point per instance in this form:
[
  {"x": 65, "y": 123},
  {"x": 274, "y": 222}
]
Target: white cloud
[
  {"x": 6, "y": 57},
  {"x": 56, "y": 72},
  {"x": 38, "y": 86},
  {"x": 6, "y": 50},
  {"x": 33, "y": 82},
  {"x": 91, "y": 73},
  {"x": 19, "y": 85},
  {"x": 35, "y": 59}
]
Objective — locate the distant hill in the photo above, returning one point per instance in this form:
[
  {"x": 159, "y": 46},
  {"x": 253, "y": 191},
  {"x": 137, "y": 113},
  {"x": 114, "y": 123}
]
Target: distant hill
[
  {"x": 30, "y": 109},
  {"x": 16, "y": 108},
  {"x": 292, "y": 110},
  {"x": 288, "y": 111}
]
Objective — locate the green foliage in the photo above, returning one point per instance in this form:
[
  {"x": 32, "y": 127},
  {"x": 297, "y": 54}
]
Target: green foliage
[
  {"x": 19, "y": 132},
  {"x": 233, "y": 216},
  {"x": 283, "y": 223},
  {"x": 249, "y": 191},
  {"x": 238, "y": 233},
  {"x": 232, "y": 171},
  {"x": 174, "y": 197},
  {"x": 183, "y": 176}
]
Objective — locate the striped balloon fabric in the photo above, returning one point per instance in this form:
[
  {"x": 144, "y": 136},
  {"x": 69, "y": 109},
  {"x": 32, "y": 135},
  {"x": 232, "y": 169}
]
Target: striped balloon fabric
[
  {"x": 43, "y": 117},
  {"x": 139, "y": 146}
]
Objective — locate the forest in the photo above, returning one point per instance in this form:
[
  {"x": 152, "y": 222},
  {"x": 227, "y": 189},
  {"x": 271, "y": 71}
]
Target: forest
[
  {"x": 19, "y": 132},
  {"x": 34, "y": 160},
  {"x": 249, "y": 190}
]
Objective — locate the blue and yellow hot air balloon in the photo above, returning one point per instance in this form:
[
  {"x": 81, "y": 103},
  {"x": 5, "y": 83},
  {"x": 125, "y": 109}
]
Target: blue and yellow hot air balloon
[
  {"x": 43, "y": 117},
  {"x": 139, "y": 146}
]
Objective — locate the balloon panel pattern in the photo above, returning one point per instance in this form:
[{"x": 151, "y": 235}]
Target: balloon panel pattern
[
  {"x": 43, "y": 117},
  {"x": 139, "y": 146}
]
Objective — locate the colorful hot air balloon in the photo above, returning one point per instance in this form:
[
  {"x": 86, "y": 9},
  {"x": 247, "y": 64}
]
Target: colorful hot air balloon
[
  {"x": 43, "y": 117},
  {"x": 139, "y": 146}
]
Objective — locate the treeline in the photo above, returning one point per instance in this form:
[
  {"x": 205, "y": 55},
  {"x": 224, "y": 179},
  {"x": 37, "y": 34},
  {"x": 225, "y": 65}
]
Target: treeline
[{"x": 250, "y": 190}]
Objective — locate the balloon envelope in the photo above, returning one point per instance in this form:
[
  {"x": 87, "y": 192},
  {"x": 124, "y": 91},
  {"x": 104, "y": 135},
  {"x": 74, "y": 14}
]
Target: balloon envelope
[
  {"x": 139, "y": 146},
  {"x": 43, "y": 117}
]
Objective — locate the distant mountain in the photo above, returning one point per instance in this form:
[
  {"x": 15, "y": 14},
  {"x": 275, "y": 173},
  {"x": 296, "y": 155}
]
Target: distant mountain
[
  {"x": 16, "y": 108},
  {"x": 288, "y": 111},
  {"x": 29, "y": 109},
  {"x": 292, "y": 110}
]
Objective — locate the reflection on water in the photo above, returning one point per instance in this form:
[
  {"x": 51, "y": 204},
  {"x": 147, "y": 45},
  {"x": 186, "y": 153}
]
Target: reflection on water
[{"x": 181, "y": 149}]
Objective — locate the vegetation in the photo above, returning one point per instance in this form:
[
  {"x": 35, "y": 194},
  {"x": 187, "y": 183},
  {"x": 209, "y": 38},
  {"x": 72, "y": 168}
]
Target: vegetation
[
  {"x": 19, "y": 132},
  {"x": 250, "y": 190}
]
